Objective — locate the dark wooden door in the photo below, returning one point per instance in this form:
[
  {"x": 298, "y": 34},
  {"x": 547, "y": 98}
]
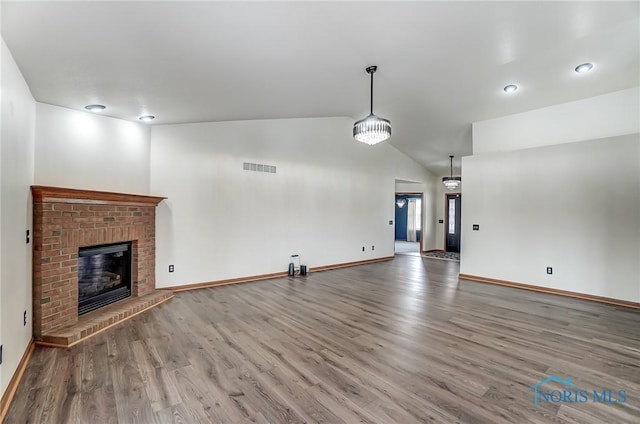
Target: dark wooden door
[{"x": 452, "y": 229}]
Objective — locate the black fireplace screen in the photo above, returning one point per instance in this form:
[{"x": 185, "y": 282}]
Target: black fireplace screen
[{"x": 104, "y": 275}]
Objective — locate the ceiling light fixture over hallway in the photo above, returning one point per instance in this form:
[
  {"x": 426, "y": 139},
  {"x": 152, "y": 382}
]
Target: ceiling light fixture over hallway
[
  {"x": 451, "y": 182},
  {"x": 372, "y": 129}
]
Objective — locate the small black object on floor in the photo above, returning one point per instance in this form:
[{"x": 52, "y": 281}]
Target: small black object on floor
[{"x": 296, "y": 267}]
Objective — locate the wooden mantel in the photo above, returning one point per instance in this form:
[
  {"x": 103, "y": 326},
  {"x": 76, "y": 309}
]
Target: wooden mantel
[{"x": 43, "y": 194}]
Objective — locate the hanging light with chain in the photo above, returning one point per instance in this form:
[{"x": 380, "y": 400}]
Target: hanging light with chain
[
  {"x": 451, "y": 182},
  {"x": 372, "y": 129}
]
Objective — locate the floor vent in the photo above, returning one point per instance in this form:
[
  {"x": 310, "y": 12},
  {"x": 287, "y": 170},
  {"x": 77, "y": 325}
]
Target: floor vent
[{"x": 259, "y": 167}]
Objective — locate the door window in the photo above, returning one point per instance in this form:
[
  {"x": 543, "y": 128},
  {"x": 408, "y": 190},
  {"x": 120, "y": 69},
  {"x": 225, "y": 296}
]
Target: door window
[{"x": 452, "y": 216}]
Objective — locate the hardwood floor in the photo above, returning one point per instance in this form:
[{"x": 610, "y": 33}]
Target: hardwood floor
[{"x": 393, "y": 342}]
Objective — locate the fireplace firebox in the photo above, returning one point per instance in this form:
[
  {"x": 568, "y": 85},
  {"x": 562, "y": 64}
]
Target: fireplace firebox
[{"x": 104, "y": 275}]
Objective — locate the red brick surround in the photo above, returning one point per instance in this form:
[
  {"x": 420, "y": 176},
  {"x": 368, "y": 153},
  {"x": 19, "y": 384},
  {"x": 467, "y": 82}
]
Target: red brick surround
[{"x": 65, "y": 220}]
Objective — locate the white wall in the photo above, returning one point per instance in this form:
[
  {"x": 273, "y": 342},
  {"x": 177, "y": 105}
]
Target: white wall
[
  {"x": 330, "y": 196},
  {"x": 16, "y": 175},
  {"x": 608, "y": 115},
  {"x": 3, "y": 52},
  {"x": 428, "y": 191},
  {"x": 574, "y": 207},
  {"x": 571, "y": 201},
  {"x": 85, "y": 150}
]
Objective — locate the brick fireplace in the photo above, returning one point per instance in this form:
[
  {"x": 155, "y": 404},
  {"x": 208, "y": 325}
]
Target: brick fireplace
[{"x": 65, "y": 220}]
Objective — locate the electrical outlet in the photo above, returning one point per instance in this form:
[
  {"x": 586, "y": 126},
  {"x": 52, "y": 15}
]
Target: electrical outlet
[
  {"x": 25, "y": 319},
  {"x": 441, "y": 221},
  {"x": 171, "y": 269},
  {"x": 476, "y": 227},
  {"x": 549, "y": 270},
  {"x": 391, "y": 222},
  {"x": 28, "y": 238},
  {"x": 373, "y": 248},
  {"x": 363, "y": 248}
]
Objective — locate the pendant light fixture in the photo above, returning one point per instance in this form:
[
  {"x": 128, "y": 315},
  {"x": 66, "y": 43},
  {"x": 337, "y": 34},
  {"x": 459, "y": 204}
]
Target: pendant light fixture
[
  {"x": 372, "y": 129},
  {"x": 451, "y": 182}
]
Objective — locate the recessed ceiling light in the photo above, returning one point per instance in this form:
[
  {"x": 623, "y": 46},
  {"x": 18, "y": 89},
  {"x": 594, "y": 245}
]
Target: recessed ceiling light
[
  {"x": 510, "y": 88},
  {"x": 95, "y": 108},
  {"x": 585, "y": 67},
  {"x": 147, "y": 118}
]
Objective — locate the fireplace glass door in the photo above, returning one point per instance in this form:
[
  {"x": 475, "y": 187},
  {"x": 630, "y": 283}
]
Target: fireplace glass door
[{"x": 104, "y": 275}]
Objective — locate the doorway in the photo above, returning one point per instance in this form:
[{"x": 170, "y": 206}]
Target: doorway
[
  {"x": 408, "y": 223},
  {"x": 453, "y": 208}
]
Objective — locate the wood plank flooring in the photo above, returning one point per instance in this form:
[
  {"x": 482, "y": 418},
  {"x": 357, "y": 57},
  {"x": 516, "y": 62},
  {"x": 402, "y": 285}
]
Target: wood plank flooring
[{"x": 393, "y": 342}]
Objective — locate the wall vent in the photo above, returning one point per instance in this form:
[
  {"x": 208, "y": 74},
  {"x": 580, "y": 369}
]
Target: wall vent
[{"x": 259, "y": 167}]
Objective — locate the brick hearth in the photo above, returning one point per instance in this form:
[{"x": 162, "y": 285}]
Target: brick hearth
[{"x": 65, "y": 220}]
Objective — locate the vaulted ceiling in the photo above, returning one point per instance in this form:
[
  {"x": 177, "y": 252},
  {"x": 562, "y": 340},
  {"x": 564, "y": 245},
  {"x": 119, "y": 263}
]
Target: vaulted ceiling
[{"x": 441, "y": 65}]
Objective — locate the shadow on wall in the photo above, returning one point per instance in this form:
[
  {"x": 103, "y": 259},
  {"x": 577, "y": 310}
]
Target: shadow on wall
[{"x": 165, "y": 276}]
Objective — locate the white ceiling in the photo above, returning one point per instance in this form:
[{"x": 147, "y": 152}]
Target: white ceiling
[{"x": 441, "y": 65}]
